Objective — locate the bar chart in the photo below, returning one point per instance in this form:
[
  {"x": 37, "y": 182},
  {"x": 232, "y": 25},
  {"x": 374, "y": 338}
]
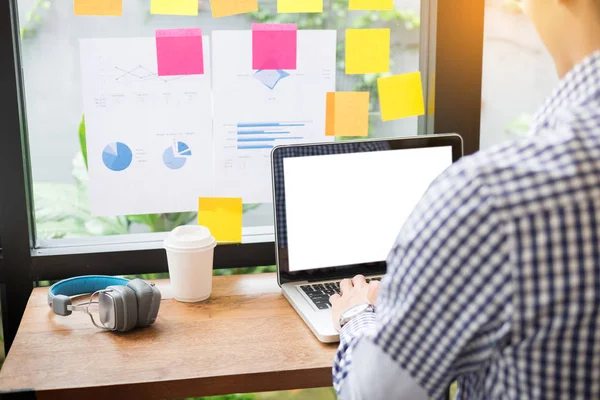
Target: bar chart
[
  {"x": 266, "y": 135},
  {"x": 256, "y": 111}
]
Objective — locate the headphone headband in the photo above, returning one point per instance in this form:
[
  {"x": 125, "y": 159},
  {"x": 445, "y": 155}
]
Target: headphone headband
[{"x": 83, "y": 285}]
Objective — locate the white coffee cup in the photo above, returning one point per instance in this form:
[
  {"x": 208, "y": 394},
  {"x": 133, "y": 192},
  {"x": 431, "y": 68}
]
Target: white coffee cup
[{"x": 190, "y": 253}]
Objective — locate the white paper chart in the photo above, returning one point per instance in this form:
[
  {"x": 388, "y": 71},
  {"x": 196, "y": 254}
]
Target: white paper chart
[
  {"x": 149, "y": 137},
  {"x": 257, "y": 110}
]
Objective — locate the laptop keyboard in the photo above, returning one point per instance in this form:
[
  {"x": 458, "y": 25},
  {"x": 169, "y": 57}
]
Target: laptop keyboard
[{"x": 319, "y": 293}]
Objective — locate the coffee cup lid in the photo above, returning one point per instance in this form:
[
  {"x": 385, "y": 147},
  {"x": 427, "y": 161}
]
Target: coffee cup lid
[{"x": 190, "y": 237}]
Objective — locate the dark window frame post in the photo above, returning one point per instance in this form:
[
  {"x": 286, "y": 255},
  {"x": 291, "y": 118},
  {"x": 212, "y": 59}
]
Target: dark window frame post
[
  {"x": 15, "y": 194},
  {"x": 458, "y": 69}
]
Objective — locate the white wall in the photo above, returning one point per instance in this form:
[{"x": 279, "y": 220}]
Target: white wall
[{"x": 518, "y": 73}]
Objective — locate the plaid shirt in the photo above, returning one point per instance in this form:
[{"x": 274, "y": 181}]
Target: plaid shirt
[{"x": 494, "y": 280}]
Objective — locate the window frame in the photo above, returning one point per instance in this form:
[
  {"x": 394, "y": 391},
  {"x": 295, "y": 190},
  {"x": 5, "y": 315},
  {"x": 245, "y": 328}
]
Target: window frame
[{"x": 451, "y": 58}]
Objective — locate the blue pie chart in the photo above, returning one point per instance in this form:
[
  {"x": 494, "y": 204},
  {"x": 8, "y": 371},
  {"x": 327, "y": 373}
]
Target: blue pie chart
[
  {"x": 175, "y": 157},
  {"x": 117, "y": 156}
]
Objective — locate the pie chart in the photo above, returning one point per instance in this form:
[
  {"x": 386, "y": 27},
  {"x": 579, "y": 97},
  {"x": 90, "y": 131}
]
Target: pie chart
[
  {"x": 176, "y": 156},
  {"x": 117, "y": 156}
]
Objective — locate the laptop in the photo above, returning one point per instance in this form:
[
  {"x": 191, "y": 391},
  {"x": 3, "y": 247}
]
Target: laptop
[{"x": 339, "y": 208}]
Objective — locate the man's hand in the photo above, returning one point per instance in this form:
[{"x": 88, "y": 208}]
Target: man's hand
[{"x": 353, "y": 292}]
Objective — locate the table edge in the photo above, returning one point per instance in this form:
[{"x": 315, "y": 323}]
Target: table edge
[{"x": 194, "y": 387}]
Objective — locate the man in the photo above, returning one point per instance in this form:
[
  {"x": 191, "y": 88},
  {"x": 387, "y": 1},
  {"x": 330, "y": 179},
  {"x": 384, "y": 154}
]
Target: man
[{"x": 494, "y": 280}]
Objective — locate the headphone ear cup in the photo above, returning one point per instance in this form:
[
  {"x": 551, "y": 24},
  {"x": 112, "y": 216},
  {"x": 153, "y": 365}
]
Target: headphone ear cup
[
  {"x": 126, "y": 308},
  {"x": 148, "y": 301},
  {"x": 60, "y": 305}
]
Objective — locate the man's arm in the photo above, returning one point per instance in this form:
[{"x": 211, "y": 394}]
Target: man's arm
[
  {"x": 376, "y": 376},
  {"x": 443, "y": 305}
]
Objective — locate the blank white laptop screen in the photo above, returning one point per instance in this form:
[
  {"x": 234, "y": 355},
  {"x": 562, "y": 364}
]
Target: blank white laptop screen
[{"x": 345, "y": 209}]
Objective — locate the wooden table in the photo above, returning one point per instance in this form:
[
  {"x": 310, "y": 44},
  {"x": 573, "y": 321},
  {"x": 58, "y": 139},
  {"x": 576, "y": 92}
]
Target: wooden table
[{"x": 246, "y": 338}]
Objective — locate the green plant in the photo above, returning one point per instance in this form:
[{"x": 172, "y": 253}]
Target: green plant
[
  {"x": 216, "y": 272},
  {"x": 513, "y": 6},
  {"x": 521, "y": 126},
  {"x": 63, "y": 210},
  {"x": 33, "y": 19}
]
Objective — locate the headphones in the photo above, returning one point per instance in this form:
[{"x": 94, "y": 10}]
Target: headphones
[{"x": 123, "y": 304}]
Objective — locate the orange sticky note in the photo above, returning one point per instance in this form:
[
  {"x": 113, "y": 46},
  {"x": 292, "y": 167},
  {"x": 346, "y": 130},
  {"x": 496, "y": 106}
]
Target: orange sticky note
[
  {"x": 223, "y": 217},
  {"x": 224, "y": 8},
  {"x": 347, "y": 114},
  {"x": 109, "y": 8},
  {"x": 401, "y": 96},
  {"x": 367, "y": 51},
  {"x": 174, "y": 7},
  {"x": 371, "y": 5}
]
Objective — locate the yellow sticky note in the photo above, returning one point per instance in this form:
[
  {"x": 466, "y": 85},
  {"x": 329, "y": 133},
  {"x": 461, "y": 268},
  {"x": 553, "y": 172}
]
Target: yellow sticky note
[
  {"x": 371, "y": 5},
  {"x": 431, "y": 99},
  {"x": 401, "y": 96},
  {"x": 224, "y": 8},
  {"x": 299, "y": 6},
  {"x": 367, "y": 51},
  {"x": 347, "y": 114},
  {"x": 113, "y": 8},
  {"x": 223, "y": 216},
  {"x": 174, "y": 7}
]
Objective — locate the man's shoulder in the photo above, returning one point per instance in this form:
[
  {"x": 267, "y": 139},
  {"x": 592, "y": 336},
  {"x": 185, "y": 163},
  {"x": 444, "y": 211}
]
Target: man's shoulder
[
  {"x": 583, "y": 117},
  {"x": 524, "y": 172},
  {"x": 520, "y": 155}
]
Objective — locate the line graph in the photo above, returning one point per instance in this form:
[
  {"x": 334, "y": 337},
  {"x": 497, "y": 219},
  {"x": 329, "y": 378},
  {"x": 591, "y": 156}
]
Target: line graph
[{"x": 142, "y": 73}]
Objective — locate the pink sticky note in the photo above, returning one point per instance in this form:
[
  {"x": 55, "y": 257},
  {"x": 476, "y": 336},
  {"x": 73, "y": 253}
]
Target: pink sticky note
[
  {"x": 179, "y": 52},
  {"x": 274, "y": 46}
]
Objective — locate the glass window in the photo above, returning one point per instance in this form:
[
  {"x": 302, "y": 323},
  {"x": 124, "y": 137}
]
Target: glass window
[
  {"x": 50, "y": 43},
  {"x": 518, "y": 73}
]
